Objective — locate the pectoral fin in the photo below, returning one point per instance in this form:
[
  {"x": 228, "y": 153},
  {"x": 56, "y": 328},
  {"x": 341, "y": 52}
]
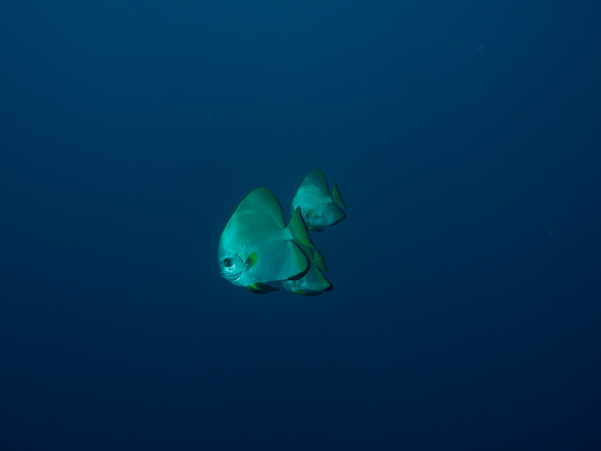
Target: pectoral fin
[{"x": 251, "y": 260}]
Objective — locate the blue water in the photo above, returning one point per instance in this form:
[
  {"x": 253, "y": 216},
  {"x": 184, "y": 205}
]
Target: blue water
[{"x": 465, "y": 137}]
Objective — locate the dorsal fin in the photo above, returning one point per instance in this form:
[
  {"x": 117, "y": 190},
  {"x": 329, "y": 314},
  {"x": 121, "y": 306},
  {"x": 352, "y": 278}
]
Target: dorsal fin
[
  {"x": 317, "y": 179},
  {"x": 261, "y": 201}
]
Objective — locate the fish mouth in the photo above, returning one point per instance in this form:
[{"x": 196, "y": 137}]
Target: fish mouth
[{"x": 230, "y": 277}]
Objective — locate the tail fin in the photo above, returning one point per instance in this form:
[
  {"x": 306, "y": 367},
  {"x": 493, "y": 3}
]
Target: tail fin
[
  {"x": 337, "y": 196},
  {"x": 298, "y": 229},
  {"x": 319, "y": 260}
]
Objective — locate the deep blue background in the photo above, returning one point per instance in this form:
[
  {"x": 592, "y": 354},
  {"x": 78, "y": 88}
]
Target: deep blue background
[{"x": 466, "y": 139}]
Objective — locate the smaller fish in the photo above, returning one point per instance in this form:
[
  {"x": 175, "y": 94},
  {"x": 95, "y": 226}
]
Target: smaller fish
[
  {"x": 257, "y": 247},
  {"x": 314, "y": 282},
  {"x": 320, "y": 207}
]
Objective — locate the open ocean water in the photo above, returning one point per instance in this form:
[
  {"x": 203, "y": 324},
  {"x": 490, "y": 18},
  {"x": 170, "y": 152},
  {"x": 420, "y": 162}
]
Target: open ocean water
[{"x": 465, "y": 137}]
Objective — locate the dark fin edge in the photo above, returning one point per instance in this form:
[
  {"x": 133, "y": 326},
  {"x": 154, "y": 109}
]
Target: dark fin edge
[
  {"x": 261, "y": 288},
  {"x": 337, "y": 196},
  {"x": 298, "y": 229},
  {"x": 307, "y": 268}
]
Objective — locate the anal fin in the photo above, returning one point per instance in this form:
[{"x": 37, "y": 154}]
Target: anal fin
[{"x": 260, "y": 288}]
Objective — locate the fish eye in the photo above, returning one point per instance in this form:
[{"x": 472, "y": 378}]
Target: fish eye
[{"x": 231, "y": 267}]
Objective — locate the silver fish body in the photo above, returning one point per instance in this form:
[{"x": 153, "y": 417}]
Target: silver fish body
[
  {"x": 319, "y": 206},
  {"x": 257, "y": 247}
]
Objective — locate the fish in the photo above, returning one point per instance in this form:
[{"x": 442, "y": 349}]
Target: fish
[
  {"x": 319, "y": 207},
  {"x": 314, "y": 282},
  {"x": 256, "y": 246}
]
